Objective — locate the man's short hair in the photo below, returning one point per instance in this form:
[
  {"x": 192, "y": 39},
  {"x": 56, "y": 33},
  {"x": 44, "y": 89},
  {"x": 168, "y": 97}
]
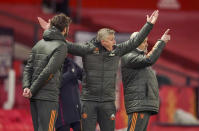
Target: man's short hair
[
  {"x": 60, "y": 21},
  {"x": 133, "y": 35},
  {"x": 103, "y": 33}
]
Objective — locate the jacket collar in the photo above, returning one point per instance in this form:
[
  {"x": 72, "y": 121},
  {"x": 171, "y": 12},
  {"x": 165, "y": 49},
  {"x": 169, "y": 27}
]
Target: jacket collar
[
  {"x": 53, "y": 34},
  {"x": 98, "y": 44},
  {"x": 139, "y": 51}
]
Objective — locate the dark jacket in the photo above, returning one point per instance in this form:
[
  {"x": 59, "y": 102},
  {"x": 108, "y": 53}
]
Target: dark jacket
[
  {"x": 69, "y": 98},
  {"x": 42, "y": 73},
  {"x": 100, "y": 66},
  {"x": 139, "y": 80}
]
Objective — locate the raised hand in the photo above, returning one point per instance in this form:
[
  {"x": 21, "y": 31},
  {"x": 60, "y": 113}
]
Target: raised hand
[
  {"x": 166, "y": 37},
  {"x": 45, "y": 25},
  {"x": 153, "y": 18}
]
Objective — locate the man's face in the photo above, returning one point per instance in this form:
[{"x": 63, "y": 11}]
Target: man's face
[
  {"x": 144, "y": 45},
  {"x": 109, "y": 41}
]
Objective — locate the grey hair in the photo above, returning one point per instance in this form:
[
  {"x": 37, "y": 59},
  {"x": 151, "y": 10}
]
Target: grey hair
[
  {"x": 133, "y": 35},
  {"x": 103, "y": 33}
]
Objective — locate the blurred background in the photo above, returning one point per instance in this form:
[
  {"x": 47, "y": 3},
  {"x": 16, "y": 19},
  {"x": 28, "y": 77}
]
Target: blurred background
[{"x": 177, "y": 69}]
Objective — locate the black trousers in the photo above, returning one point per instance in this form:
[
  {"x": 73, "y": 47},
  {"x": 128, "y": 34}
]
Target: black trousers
[
  {"x": 138, "y": 121},
  {"x": 101, "y": 112},
  {"x": 44, "y": 114},
  {"x": 75, "y": 126}
]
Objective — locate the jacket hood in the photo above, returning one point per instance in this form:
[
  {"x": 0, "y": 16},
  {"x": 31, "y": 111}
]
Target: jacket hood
[{"x": 53, "y": 34}]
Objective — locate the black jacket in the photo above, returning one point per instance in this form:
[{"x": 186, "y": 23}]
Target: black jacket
[
  {"x": 42, "y": 74},
  {"x": 69, "y": 98},
  {"x": 100, "y": 66},
  {"x": 139, "y": 80}
]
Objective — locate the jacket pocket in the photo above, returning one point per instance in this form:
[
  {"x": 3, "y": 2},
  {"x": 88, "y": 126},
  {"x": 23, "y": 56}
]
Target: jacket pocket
[
  {"x": 135, "y": 92},
  {"x": 152, "y": 90}
]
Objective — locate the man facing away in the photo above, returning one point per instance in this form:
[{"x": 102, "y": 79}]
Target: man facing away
[
  {"x": 141, "y": 93},
  {"x": 42, "y": 74},
  {"x": 100, "y": 58}
]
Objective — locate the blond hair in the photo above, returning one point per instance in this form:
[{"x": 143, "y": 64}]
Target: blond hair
[
  {"x": 133, "y": 35},
  {"x": 103, "y": 33}
]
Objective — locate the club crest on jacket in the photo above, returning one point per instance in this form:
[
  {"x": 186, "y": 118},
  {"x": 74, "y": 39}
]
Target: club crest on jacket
[{"x": 96, "y": 51}]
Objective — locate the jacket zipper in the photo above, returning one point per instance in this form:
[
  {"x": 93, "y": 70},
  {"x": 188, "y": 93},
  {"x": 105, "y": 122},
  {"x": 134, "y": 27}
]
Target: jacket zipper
[{"x": 102, "y": 76}]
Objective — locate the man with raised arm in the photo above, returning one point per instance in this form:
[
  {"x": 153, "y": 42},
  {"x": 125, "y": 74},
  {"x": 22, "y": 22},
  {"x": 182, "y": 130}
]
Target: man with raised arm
[
  {"x": 140, "y": 84},
  {"x": 100, "y": 58}
]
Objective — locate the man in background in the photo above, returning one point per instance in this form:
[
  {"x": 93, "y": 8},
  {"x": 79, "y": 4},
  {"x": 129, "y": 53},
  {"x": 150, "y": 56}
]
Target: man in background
[
  {"x": 69, "y": 115},
  {"x": 141, "y": 93}
]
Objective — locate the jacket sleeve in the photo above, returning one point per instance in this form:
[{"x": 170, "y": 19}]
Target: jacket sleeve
[
  {"x": 54, "y": 64},
  {"x": 131, "y": 44},
  {"x": 136, "y": 60},
  {"x": 27, "y": 73},
  {"x": 79, "y": 49}
]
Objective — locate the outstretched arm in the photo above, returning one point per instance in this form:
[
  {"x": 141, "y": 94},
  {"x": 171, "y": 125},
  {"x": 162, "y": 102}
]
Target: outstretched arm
[
  {"x": 133, "y": 43},
  {"x": 136, "y": 60},
  {"x": 79, "y": 49},
  {"x": 165, "y": 38}
]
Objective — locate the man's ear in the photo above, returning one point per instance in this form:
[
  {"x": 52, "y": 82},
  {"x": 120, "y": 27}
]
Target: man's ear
[
  {"x": 65, "y": 30},
  {"x": 102, "y": 42}
]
